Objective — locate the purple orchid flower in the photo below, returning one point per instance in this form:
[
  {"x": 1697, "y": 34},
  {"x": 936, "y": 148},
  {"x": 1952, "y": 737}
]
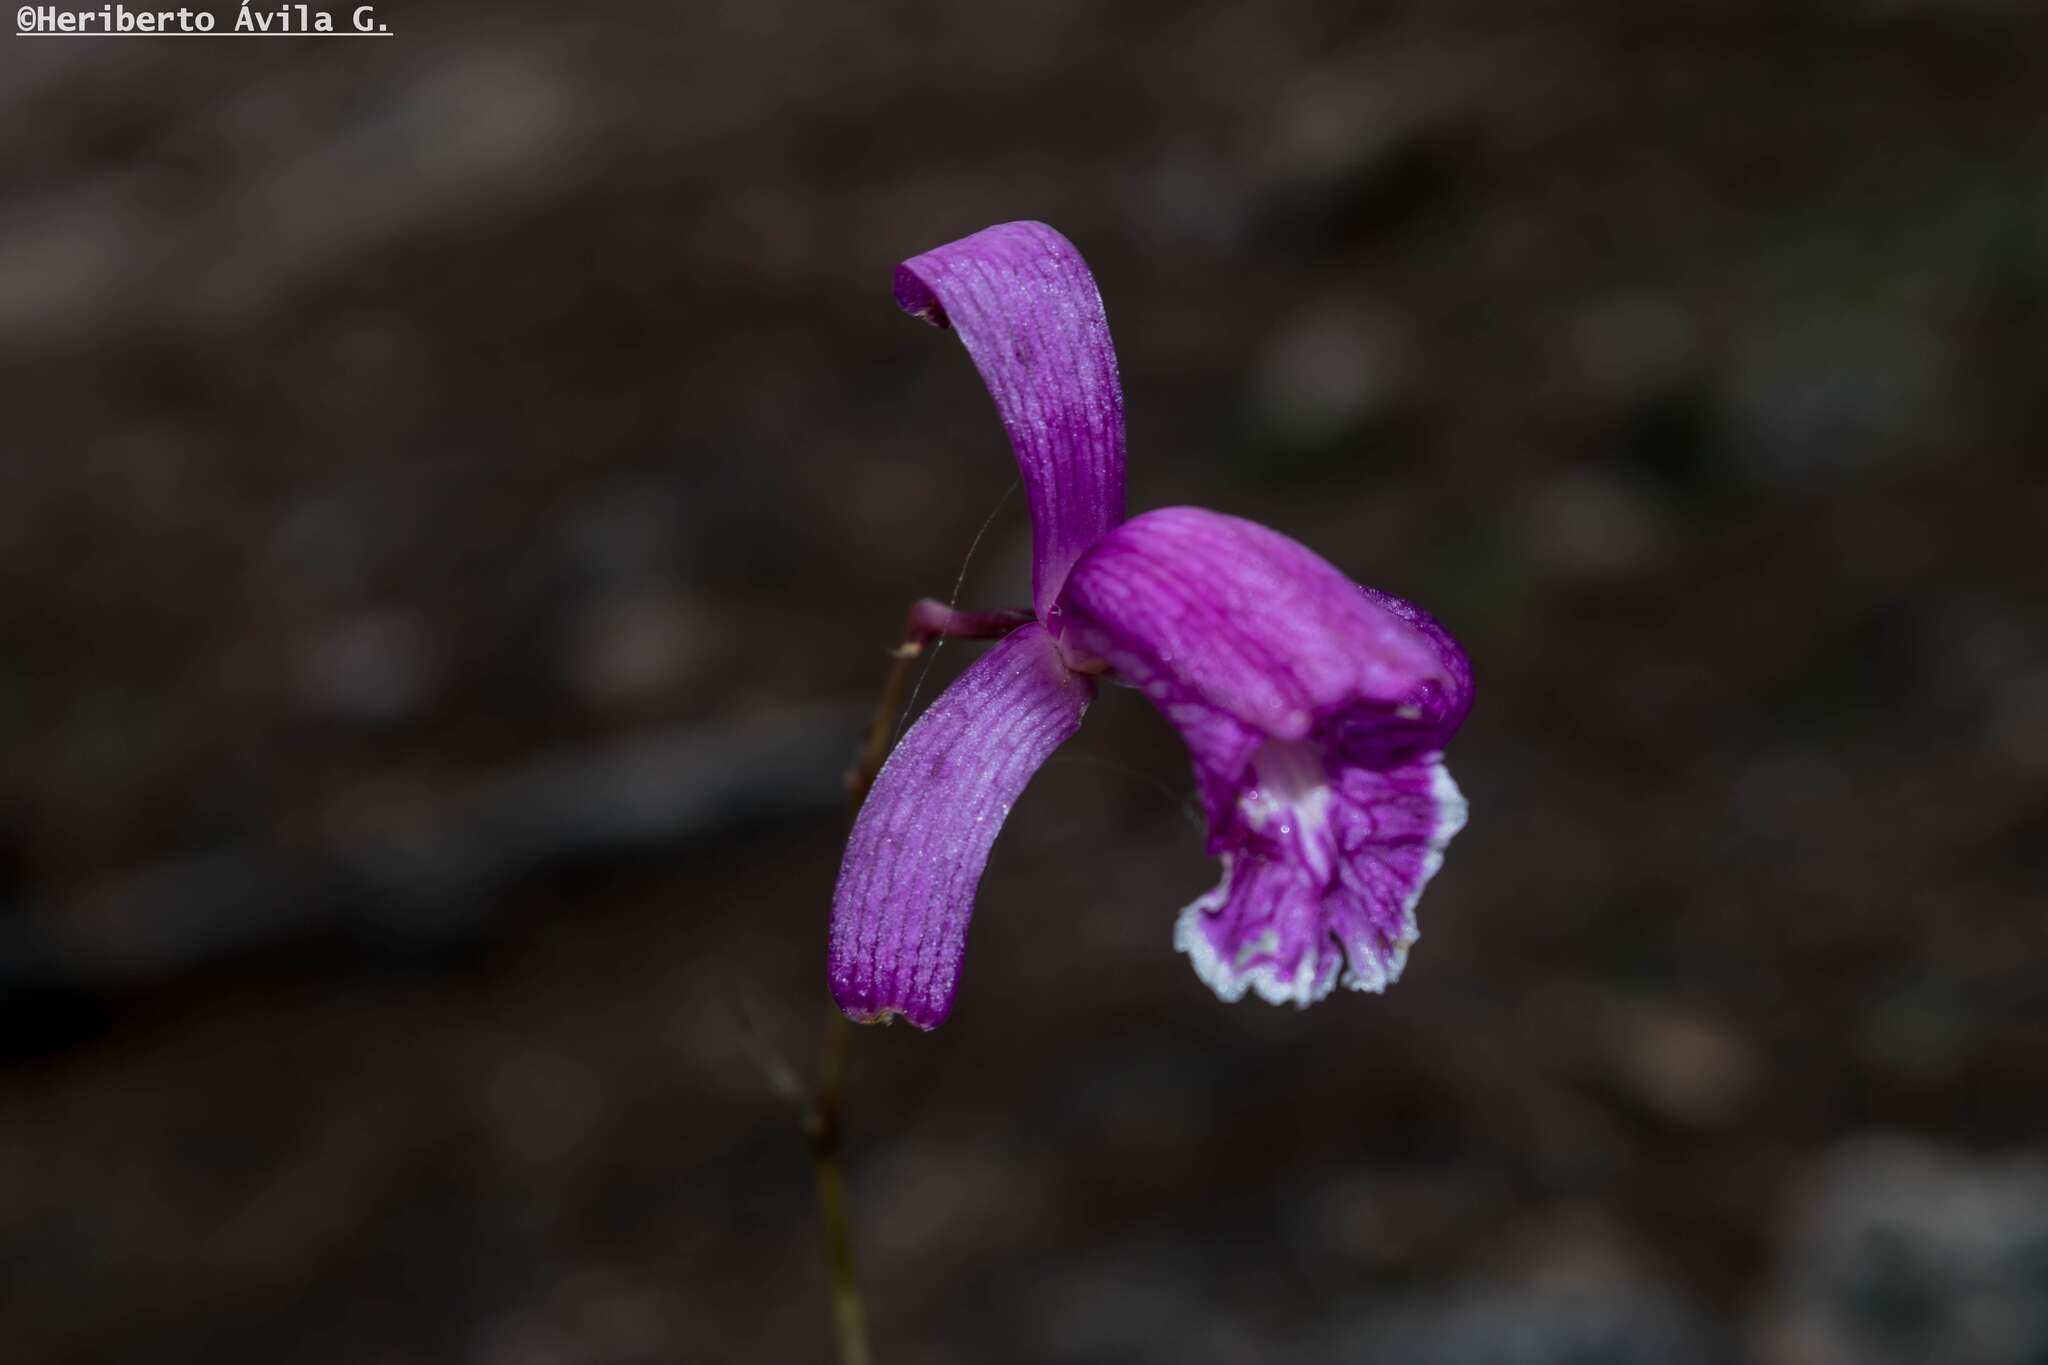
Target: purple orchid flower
[{"x": 1315, "y": 710}]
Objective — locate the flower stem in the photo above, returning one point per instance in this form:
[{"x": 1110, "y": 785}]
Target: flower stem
[
  {"x": 824, "y": 1126},
  {"x": 823, "y": 1122}
]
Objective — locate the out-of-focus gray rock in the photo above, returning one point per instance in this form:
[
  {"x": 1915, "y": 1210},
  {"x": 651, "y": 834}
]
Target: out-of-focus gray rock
[
  {"x": 1633, "y": 349},
  {"x": 1620, "y": 1324},
  {"x": 1149, "y": 1304},
  {"x": 635, "y": 647},
  {"x": 406, "y": 862},
  {"x": 1589, "y": 526},
  {"x": 375, "y": 668},
  {"x": 1331, "y": 371},
  {"x": 1905, "y": 1254},
  {"x": 1834, "y": 395}
]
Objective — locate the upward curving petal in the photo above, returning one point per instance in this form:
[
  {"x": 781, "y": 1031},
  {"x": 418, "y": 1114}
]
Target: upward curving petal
[
  {"x": 906, "y": 887},
  {"x": 1028, "y": 311}
]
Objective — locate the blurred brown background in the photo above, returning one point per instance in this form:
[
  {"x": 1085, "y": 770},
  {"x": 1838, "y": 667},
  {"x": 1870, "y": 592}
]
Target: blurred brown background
[{"x": 458, "y": 492}]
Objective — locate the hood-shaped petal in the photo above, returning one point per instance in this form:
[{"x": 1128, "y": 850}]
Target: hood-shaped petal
[
  {"x": 1314, "y": 710},
  {"x": 1028, "y": 311},
  {"x": 1241, "y": 635},
  {"x": 906, "y": 888}
]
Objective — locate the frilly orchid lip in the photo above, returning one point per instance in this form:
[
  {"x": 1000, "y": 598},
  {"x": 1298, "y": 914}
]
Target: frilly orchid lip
[{"x": 1315, "y": 710}]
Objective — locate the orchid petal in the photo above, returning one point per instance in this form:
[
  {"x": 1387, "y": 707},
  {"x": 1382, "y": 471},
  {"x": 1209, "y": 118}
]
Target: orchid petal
[
  {"x": 1314, "y": 710},
  {"x": 1241, "y": 635},
  {"x": 1028, "y": 311},
  {"x": 906, "y": 887}
]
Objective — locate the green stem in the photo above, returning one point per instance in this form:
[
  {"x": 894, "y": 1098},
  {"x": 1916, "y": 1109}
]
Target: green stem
[
  {"x": 822, "y": 1126},
  {"x": 823, "y": 1122}
]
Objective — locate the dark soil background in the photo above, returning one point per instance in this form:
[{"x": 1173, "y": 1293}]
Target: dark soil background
[{"x": 457, "y": 494}]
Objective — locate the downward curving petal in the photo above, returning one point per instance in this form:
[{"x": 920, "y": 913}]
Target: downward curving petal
[
  {"x": 1241, "y": 635},
  {"x": 1028, "y": 311},
  {"x": 906, "y": 888},
  {"x": 1314, "y": 710}
]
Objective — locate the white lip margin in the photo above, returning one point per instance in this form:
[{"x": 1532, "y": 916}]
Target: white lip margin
[
  {"x": 1452, "y": 812},
  {"x": 1302, "y": 988}
]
